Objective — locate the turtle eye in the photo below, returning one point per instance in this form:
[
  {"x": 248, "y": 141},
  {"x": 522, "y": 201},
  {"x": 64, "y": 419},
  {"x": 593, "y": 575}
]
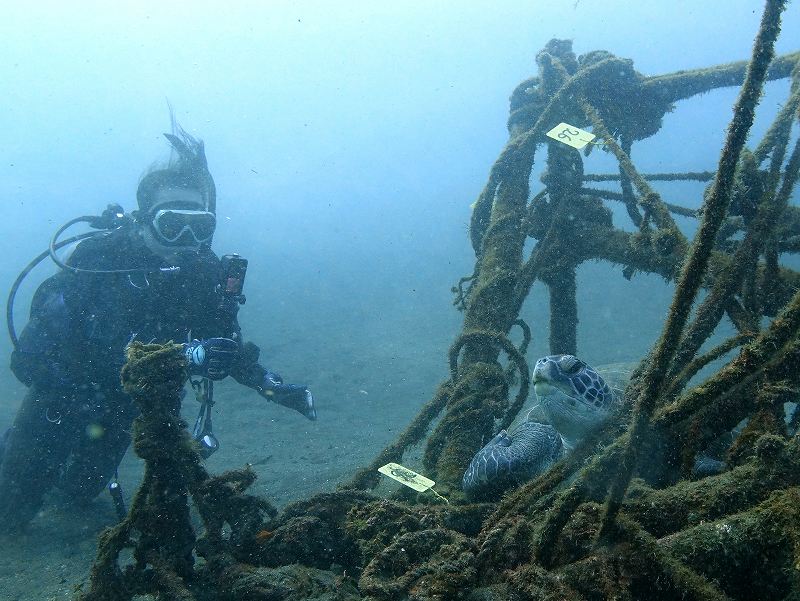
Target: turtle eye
[{"x": 570, "y": 364}]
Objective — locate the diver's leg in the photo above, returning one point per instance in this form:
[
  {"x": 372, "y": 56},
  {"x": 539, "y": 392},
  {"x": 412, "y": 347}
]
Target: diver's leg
[
  {"x": 92, "y": 464},
  {"x": 35, "y": 448},
  {"x": 99, "y": 451}
]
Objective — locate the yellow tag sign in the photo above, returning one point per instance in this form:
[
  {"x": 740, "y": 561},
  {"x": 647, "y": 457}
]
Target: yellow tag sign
[
  {"x": 571, "y": 135},
  {"x": 406, "y": 476}
]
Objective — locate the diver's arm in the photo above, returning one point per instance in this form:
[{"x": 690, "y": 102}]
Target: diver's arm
[
  {"x": 248, "y": 371},
  {"x": 38, "y": 356},
  {"x": 53, "y": 331}
]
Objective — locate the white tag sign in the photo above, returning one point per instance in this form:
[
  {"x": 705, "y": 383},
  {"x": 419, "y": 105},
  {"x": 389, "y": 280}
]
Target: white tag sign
[
  {"x": 571, "y": 135},
  {"x": 406, "y": 476}
]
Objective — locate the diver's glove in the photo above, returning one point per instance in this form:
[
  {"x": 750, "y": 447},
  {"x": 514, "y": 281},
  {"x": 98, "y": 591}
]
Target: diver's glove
[
  {"x": 211, "y": 358},
  {"x": 292, "y": 396}
]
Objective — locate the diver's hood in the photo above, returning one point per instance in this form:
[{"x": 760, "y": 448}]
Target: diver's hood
[
  {"x": 192, "y": 160},
  {"x": 187, "y": 168}
]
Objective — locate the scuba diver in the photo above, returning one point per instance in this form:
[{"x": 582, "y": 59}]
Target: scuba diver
[{"x": 150, "y": 277}]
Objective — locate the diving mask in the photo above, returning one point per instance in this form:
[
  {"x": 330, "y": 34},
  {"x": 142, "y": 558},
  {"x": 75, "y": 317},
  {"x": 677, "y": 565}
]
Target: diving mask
[{"x": 178, "y": 227}]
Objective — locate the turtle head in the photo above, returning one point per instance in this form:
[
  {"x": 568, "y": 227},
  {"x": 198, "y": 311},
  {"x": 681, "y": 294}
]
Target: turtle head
[{"x": 571, "y": 393}]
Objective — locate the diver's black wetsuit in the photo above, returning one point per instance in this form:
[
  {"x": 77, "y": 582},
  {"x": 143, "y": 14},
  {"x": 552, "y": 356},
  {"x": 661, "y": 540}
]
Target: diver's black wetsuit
[{"x": 73, "y": 426}]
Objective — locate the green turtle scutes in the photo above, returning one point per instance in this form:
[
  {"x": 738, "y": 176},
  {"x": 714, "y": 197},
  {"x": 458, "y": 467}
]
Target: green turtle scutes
[
  {"x": 573, "y": 397},
  {"x": 512, "y": 457},
  {"x": 572, "y": 400}
]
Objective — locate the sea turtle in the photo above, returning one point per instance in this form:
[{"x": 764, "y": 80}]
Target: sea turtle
[
  {"x": 513, "y": 457},
  {"x": 572, "y": 396},
  {"x": 572, "y": 399}
]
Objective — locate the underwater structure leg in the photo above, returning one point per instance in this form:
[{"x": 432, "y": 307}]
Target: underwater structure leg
[{"x": 153, "y": 549}]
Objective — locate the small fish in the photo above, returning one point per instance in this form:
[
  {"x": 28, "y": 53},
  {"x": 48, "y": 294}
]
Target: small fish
[
  {"x": 263, "y": 536},
  {"x": 262, "y": 461}
]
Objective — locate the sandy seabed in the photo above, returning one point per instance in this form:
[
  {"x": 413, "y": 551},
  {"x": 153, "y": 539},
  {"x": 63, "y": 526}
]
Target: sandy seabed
[
  {"x": 371, "y": 367},
  {"x": 363, "y": 402}
]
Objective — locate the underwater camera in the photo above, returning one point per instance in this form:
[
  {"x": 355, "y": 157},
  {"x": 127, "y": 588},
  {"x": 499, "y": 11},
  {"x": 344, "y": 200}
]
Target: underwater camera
[
  {"x": 230, "y": 287},
  {"x": 234, "y": 270}
]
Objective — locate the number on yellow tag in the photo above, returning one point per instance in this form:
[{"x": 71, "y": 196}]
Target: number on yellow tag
[{"x": 571, "y": 135}]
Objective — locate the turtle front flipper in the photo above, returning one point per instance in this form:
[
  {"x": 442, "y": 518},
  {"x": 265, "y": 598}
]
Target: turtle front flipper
[{"x": 510, "y": 459}]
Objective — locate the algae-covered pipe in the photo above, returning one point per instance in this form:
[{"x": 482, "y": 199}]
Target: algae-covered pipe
[
  {"x": 685, "y": 84},
  {"x": 715, "y": 207}
]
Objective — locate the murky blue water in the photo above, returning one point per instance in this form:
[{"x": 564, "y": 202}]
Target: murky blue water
[{"x": 347, "y": 142}]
